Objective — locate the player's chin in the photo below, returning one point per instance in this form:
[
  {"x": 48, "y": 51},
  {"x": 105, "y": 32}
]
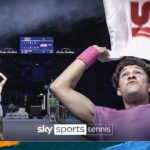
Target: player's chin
[{"x": 133, "y": 91}]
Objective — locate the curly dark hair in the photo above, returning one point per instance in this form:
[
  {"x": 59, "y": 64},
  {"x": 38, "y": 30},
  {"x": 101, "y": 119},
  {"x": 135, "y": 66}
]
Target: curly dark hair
[{"x": 130, "y": 61}]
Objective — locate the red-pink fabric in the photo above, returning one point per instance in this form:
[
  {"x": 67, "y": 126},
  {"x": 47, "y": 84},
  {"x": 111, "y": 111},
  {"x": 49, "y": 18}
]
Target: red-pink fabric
[
  {"x": 128, "y": 125},
  {"x": 89, "y": 56}
]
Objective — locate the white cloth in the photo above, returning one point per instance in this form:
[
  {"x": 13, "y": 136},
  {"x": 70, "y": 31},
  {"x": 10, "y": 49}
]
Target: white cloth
[{"x": 128, "y": 24}]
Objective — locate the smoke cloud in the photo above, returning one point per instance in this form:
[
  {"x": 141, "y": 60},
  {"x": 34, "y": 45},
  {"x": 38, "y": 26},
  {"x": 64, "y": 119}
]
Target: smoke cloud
[{"x": 21, "y": 16}]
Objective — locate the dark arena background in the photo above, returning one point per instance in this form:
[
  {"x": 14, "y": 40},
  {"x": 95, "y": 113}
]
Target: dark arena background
[{"x": 38, "y": 40}]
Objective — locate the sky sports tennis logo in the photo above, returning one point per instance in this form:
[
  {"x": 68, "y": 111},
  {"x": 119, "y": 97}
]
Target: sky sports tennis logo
[{"x": 76, "y": 129}]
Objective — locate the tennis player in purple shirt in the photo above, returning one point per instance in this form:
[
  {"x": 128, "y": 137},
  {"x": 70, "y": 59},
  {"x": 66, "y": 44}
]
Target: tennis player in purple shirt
[{"x": 131, "y": 80}]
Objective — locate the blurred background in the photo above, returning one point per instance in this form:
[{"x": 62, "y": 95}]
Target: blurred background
[{"x": 39, "y": 39}]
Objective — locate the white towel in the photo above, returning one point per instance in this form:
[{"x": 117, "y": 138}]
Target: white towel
[{"x": 128, "y": 24}]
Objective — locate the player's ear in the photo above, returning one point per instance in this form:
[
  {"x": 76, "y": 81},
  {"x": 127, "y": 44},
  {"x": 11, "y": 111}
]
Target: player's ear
[{"x": 118, "y": 92}]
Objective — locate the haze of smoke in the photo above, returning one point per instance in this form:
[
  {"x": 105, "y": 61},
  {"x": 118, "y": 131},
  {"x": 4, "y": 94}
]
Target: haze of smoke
[{"x": 20, "y": 16}]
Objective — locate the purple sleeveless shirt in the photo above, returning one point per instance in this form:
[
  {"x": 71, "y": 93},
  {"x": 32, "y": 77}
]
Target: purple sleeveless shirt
[{"x": 130, "y": 124}]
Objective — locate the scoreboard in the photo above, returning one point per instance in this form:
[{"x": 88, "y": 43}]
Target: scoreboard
[{"x": 36, "y": 45}]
